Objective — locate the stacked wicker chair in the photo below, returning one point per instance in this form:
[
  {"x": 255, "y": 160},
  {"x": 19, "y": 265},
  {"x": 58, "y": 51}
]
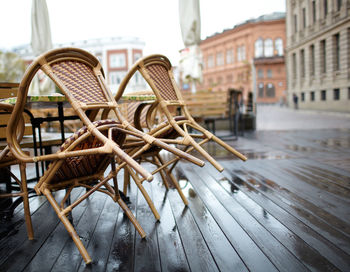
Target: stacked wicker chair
[
  {"x": 83, "y": 159},
  {"x": 6, "y": 161},
  {"x": 157, "y": 71}
]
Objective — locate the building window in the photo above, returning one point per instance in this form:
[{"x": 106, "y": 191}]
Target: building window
[
  {"x": 261, "y": 89},
  {"x": 314, "y": 11},
  {"x": 219, "y": 59},
  {"x": 312, "y": 60},
  {"x": 312, "y": 96},
  {"x": 136, "y": 56},
  {"x": 210, "y": 61},
  {"x": 116, "y": 78},
  {"x": 259, "y": 48},
  {"x": 302, "y": 97},
  {"x": 295, "y": 23},
  {"x": 336, "y": 47},
  {"x": 339, "y": 2},
  {"x": 325, "y": 8},
  {"x": 229, "y": 56},
  {"x": 269, "y": 73},
  {"x": 304, "y": 18},
  {"x": 241, "y": 53},
  {"x": 323, "y": 56},
  {"x": 279, "y": 46},
  {"x": 268, "y": 48},
  {"x": 117, "y": 60},
  {"x": 260, "y": 73},
  {"x": 294, "y": 68},
  {"x": 336, "y": 94},
  {"x": 302, "y": 62},
  {"x": 323, "y": 95},
  {"x": 229, "y": 78},
  {"x": 270, "y": 90}
]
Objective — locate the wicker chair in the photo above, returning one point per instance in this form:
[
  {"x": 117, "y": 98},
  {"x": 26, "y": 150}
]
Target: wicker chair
[
  {"x": 156, "y": 69},
  {"x": 83, "y": 159},
  {"x": 6, "y": 160}
]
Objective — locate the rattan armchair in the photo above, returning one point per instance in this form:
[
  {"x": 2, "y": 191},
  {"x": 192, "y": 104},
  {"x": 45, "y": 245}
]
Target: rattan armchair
[
  {"x": 83, "y": 159},
  {"x": 6, "y": 161},
  {"x": 157, "y": 71}
]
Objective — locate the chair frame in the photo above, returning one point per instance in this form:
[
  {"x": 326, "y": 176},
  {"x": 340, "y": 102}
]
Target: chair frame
[
  {"x": 163, "y": 102},
  {"x": 22, "y": 182},
  {"x": 54, "y": 64}
]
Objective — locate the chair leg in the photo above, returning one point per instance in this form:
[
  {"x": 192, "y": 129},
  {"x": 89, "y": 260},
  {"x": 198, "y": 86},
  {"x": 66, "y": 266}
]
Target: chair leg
[
  {"x": 26, "y": 208},
  {"x": 162, "y": 173},
  {"x": 229, "y": 148},
  {"x": 131, "y": 217},
  {"x": 145, "y": 194},
  {"x": 206, "y": 155},
  {"x": 69, "y": 227},
  {"x": 126, "y": 181},
  {"x": 174, "y": 181}
]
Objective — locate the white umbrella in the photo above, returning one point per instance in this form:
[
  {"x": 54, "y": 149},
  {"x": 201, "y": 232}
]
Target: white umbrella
[
  {"x": 191, "y": 60},
  {"x": 41, "y": 42}
]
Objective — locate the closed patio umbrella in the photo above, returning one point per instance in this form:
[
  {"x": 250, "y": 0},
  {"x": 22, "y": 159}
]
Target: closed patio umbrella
[
  {"x": 41, "y": 42},
  {"x": 191, "y": 60}
]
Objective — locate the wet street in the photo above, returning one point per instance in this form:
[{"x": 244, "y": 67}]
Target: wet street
[{"x": 285, "y": 209}]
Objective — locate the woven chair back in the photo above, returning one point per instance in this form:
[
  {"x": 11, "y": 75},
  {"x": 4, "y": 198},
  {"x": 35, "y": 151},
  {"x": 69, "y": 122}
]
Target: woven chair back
[
  {"x": 80, "y": 81},
  {"x": 158, "y": 68}
]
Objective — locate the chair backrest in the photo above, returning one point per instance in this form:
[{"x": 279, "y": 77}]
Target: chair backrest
[
  {"x": 157, "y": 71},
  {"x": 79, "y": 76}
]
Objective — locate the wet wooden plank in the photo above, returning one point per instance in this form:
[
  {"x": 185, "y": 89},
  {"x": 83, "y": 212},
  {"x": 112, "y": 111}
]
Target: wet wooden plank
[
  {"x": 197, "y": 253},
  {"x": 146, "y": 256},
  {"x": 100, "y": 242},
  {"x": 303, "y": 252},
  {"x": 121, "y": 256},
  {"x": 334, "y": 257},
  {"x": 56, "y": 241},
  {"x": 172, "y": 254},
  {"x": 24, "y": 250},
  {"x": 329, "y": 222},
  {"x": 272, "y": 248},
  {"x": 237, "y": 235},
  {"x": 224, "y": 254},
  {"x": 70, "y": 258}
]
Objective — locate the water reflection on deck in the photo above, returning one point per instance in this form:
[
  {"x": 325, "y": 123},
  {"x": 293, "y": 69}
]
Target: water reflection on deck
[{"x": 285, "y": 209}]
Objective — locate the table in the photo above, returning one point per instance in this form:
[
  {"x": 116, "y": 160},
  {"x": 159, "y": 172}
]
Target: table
[{"x": 46, "y": 101}]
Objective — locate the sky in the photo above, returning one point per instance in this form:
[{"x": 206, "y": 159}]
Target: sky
[{"x": 156, "y": 22}]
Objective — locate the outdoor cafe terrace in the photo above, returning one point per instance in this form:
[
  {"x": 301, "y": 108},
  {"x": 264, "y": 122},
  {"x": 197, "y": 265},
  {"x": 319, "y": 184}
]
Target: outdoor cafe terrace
[{"x": 284, "y": 209}]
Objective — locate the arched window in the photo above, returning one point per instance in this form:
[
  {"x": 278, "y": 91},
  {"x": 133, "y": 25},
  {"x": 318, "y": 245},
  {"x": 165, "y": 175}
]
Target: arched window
[
  {"x": 268, "y": 48},
  {"x": 261, "y": 89},
  {"x": 279, "y": 46},
  {"x": 270, "y": 90},
  {"x": 259, "y": 48}
]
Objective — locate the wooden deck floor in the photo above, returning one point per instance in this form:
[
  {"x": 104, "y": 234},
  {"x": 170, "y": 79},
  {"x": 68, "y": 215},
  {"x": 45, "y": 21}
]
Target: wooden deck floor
[{"x": 285, "y": 209}]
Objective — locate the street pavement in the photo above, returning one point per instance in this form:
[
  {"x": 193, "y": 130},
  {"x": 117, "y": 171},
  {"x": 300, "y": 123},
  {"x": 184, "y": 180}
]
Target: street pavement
[{"x": 273, "y": 117}]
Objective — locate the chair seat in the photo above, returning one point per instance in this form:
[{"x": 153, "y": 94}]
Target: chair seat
[{"x": 75, "y": 167}]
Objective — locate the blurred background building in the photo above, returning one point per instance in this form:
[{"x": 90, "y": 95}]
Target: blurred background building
[
  {"x": 256, "y": 45},
  {"x": 116, "y": 54},
  {"x": 318, "y": 54}
]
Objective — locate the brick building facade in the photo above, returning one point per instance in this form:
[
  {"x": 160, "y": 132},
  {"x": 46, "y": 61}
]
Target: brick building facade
[
  {"x": 318, "y": 54},
  {"x": 230, "y": 57}
]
